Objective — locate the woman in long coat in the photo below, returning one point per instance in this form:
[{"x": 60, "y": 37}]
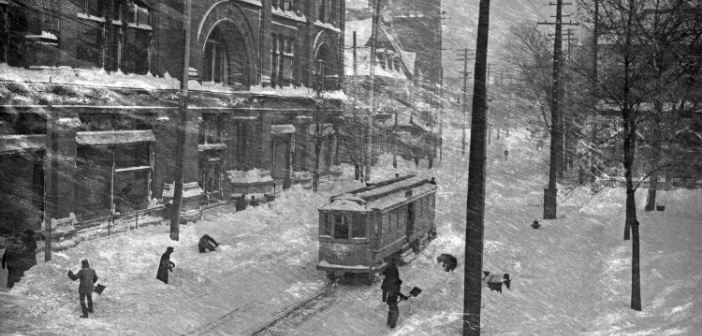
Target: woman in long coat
[{"x": 165, "y": 266}]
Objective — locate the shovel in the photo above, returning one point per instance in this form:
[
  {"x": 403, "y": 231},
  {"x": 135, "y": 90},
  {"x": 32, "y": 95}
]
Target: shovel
[{"x": 99, "y": 288}]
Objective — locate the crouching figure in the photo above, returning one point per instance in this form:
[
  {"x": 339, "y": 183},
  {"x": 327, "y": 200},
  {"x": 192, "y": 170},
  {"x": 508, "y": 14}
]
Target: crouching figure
[
  {"x": 207, "y": 243},
  {"x": 448, "y": 261},
  {"x": 495, "y": 281}
]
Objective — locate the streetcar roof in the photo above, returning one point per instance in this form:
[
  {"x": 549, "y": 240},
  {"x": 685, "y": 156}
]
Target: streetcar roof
[{"x": 383, "y": 195}]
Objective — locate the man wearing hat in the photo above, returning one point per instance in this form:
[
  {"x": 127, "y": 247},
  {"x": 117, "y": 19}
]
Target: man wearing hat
[
  {"x": 87, "y": 278},
  {"x": 393, "y": 296},
  {"x": 165, "y": 265}
]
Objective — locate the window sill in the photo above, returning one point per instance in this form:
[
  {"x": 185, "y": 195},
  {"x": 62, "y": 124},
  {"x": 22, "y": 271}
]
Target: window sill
[
  {"x": 139, "y": 26},
  {"x": 90, "y": 17}
]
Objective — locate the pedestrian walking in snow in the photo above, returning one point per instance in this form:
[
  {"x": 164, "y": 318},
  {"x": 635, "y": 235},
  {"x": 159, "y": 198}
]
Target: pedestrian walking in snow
[
  {"x": 207, "y": 244},
  {"x": 165, "y": 265},
  {"x": 87, "y": 277},
  {"x": 394, "y": 296},
  {"x": 391, "y": 276},
  {"x": 432, "y": 181},
  {"x": 506, "y": 154},
  {"x": 12, "y": 261},
  {"x": 240, "y": 204}
]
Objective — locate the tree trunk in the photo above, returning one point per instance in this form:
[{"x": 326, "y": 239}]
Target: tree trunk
[
  {"x": 475, "y": 213},
  {"x": 635, "y": 269}
]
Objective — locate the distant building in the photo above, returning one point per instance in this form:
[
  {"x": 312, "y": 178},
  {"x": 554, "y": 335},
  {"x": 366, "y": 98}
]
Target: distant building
[{"x": 89, "y": 103}]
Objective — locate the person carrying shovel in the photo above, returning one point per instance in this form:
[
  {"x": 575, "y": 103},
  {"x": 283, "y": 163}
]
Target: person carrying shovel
[{"x": 87, "y": 278}]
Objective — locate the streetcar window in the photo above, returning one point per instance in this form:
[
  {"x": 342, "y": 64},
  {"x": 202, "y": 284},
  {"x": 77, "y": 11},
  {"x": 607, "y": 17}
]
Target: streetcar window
[
  {"x": 393, "y": 220},
  {"x": 325, "y": 221},
  {"x": 431, "y": 203},
  {"x": 341, "y": 228},
  {"x": 421, "y": 207},
  {"x": 386, "y": 222},
  {"x": 402, "y": 218},
  {"x": 358, "y": 227}
]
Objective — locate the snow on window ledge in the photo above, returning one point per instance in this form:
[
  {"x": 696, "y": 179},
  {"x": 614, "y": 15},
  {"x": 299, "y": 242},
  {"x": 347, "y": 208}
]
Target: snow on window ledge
[
  {"x": 251, "y": 2},
  {"x": 326, "y": 25},
  {"x": 91, "y": 17},
  {"x": 86, "y": 77},
  {"x": 141, "y": 26},
  {"x": 44, "y": 36}
]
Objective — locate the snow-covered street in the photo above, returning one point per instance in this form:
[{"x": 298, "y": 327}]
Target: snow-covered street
[{"x": 572, "y": 276}]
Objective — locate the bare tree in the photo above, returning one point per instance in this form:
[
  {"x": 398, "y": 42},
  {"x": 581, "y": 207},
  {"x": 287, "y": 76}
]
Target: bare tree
[{"x": 632, "y": 37}]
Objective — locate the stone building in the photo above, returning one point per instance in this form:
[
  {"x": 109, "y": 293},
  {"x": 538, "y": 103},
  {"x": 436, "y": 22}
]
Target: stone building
[{"x": 90, "y": 104}]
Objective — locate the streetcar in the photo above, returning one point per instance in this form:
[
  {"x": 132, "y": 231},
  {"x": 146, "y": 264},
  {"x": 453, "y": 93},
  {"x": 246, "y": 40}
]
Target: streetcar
[{"x": 361, "y": 230}]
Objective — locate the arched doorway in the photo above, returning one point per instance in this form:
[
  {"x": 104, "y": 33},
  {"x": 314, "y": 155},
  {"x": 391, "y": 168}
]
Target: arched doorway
[{"x": 224, "y": 57}]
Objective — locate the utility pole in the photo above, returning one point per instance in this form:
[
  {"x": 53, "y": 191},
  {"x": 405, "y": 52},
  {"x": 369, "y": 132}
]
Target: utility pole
[
  {"x": 475, "y": 213},
  {"x": 369, "y": 133},
  {"x": 556, "y": 125},
  {"x": 355, "y": 63},
  {"x": 465, "y": 73},
  {"x": 180, "y": 141},
  {"x": 50, "y": 197}
]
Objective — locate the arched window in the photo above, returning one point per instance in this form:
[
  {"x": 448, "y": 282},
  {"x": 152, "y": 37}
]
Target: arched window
[
  {"x": 330, "y": 80},
  {"x": 215, "y": 63}
]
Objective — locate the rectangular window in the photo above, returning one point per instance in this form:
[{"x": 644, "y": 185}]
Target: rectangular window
[
  {"x": 95, "y": 7},
  {"x": 288, "y": 61},
  {"x": 341, "y": 227},
  {"x": 402, "y": 217},
  {"x": 289, "y": 5},
  {"x": 111, "y": 178},
  {"x": 325, "y": 221},
  {"x": 135, "y": 58},
  {"x": 275, "y": 60},
  {"x": 91, "y": 40},
  {"x": 132, "y": 155},
  {"x": 422, "y": 204},
  {"x": 215, "y": 63},
  {"x": 393, "y": 220},
  {"x": 358, "y": 226},
  {"x": 386, "y": 223},
  {"x": 210, "y": 128}
]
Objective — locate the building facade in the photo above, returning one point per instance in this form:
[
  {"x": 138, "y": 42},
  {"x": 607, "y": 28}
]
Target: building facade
[{"x": 90, "y": 104}]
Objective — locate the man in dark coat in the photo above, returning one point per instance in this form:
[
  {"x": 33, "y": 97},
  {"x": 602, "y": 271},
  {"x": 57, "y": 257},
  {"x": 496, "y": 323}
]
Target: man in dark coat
[
  {"x": 207, "y": 243},
  {"x": 392, "y": 275},
  {"x": 253, "y": 202},
  {"x": 240, "y": 204},
  {"x": 165, "y": 265},
  {"x": 393, "y": 296},
  {"x": 12, "y": 261},
  {"x": 87, "y": 277}
]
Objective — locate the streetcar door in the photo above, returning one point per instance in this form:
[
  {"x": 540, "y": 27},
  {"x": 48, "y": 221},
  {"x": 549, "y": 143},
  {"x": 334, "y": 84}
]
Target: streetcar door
[{"x": 410, "y": 219}]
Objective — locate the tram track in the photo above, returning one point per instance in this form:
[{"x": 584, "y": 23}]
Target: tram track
[{"x": 299, "y": 312}]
